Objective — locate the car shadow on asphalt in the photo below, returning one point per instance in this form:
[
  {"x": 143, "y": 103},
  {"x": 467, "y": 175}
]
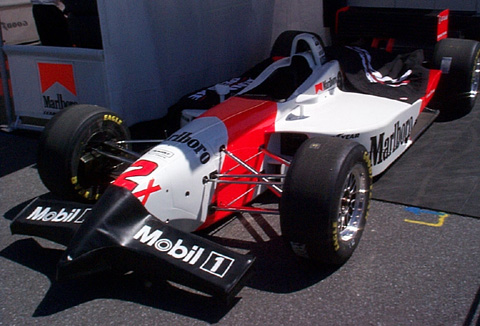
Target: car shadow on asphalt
[
  {"x": 276, "y": 270},
  {"x": 67, "y": 294},
  {"x": 272, "y": 274}
]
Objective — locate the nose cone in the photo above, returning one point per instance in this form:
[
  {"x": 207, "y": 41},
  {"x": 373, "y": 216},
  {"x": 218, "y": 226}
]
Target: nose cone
[
  {"x": 120, "y": 235},
  {"x": 169, "y": 179}
]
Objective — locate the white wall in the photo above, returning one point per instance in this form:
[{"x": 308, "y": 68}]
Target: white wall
[{"x": 157, "y": 51}]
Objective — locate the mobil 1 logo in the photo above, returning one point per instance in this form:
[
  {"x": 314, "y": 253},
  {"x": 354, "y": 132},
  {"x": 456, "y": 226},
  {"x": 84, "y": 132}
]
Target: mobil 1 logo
[
  {"x": 184, "y": 250},
  {"x": 217, "y": 264}
]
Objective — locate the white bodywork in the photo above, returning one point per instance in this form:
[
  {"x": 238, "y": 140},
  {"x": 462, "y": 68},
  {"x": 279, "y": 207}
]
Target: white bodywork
[
  {"x": 382, "y": 125},
  {"x": 183, "y": 161},
  {"x": 186, "y": 160}
]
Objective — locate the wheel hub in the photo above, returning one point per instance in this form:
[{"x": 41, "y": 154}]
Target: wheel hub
[{"x": 352, "y": 203}]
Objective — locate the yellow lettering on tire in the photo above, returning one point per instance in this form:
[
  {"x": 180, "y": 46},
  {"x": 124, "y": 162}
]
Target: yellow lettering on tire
[
  {"x": 113, "y": 118},
  {"x": 336, "y": 245}
]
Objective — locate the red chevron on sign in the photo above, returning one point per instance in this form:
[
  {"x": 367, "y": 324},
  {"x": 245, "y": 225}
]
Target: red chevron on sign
[{"x": 51, "y": 73}]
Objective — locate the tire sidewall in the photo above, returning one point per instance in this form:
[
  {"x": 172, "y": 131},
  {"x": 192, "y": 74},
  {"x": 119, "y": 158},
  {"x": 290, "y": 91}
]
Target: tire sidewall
[
  {"x": 344, "y": 249},
  {"x": 78, "y": 144},
  {"x": 455, "y": 83},
  {"x": 62, "y": 142},
  {"x": 310, "y": 202}
]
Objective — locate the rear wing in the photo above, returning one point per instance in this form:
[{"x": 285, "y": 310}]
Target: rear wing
[{"x": 391, "y": 27}]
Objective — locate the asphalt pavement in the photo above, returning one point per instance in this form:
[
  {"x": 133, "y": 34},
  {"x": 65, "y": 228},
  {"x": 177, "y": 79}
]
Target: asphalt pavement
[{"x": 412, "y": 267}]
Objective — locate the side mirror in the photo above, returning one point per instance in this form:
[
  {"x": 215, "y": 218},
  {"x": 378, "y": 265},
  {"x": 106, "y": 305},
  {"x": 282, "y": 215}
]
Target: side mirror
[
  {"x": 307, "y": 99},
  {"x": 222, "y": 90}
]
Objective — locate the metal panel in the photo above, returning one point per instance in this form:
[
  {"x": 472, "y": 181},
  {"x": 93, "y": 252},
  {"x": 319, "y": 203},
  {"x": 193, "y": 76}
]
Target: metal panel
[
  {"x": 420, "y": 4},
  {"x": 372, "y": 3},
  {"x": 46, "y": 79},
  {"x": 464, "y": 5}
]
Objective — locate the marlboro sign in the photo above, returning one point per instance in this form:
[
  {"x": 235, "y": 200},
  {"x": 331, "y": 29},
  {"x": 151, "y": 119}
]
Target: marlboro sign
[{"x": 58, "y": 88}]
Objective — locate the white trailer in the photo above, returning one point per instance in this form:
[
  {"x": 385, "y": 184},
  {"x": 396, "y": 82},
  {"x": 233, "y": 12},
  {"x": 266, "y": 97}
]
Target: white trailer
[{"x": 153, "y": 53}]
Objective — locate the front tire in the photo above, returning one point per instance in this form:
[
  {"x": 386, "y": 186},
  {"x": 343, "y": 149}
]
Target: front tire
[
  {"x": 325, "y": 200},
  {"x": 67, "y": 162}
]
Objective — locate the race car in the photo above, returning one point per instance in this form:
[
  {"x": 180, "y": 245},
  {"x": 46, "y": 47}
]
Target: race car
[{"x": 301, "y": 129}]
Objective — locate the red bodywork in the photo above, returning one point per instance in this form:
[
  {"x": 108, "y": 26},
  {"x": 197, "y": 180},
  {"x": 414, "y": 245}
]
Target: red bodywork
[{"x": 249, "y": 124}]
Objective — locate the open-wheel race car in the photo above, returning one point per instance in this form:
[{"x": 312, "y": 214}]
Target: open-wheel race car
[{"x": 303, "y": 128}]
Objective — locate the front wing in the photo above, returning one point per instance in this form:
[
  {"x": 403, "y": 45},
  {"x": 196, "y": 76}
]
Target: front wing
[{"x": 118, "y": 234}]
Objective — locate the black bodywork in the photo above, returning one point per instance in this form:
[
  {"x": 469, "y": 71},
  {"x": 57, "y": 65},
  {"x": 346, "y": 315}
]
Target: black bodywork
[{"x": 118, "y": 235}]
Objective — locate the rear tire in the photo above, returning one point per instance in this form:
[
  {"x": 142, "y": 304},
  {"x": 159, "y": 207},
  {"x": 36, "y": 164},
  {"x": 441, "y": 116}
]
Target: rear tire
[
  {"x": 459, "y": 60},
  {"x": 325, "y": 200},
  {"x": 66, "y": 162}
]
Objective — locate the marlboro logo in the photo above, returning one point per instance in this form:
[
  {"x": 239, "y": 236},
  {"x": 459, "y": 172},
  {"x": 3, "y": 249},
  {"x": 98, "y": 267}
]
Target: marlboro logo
[
  {"x": 51, "y": 73},
  {"x": 57, "y": 84}
]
